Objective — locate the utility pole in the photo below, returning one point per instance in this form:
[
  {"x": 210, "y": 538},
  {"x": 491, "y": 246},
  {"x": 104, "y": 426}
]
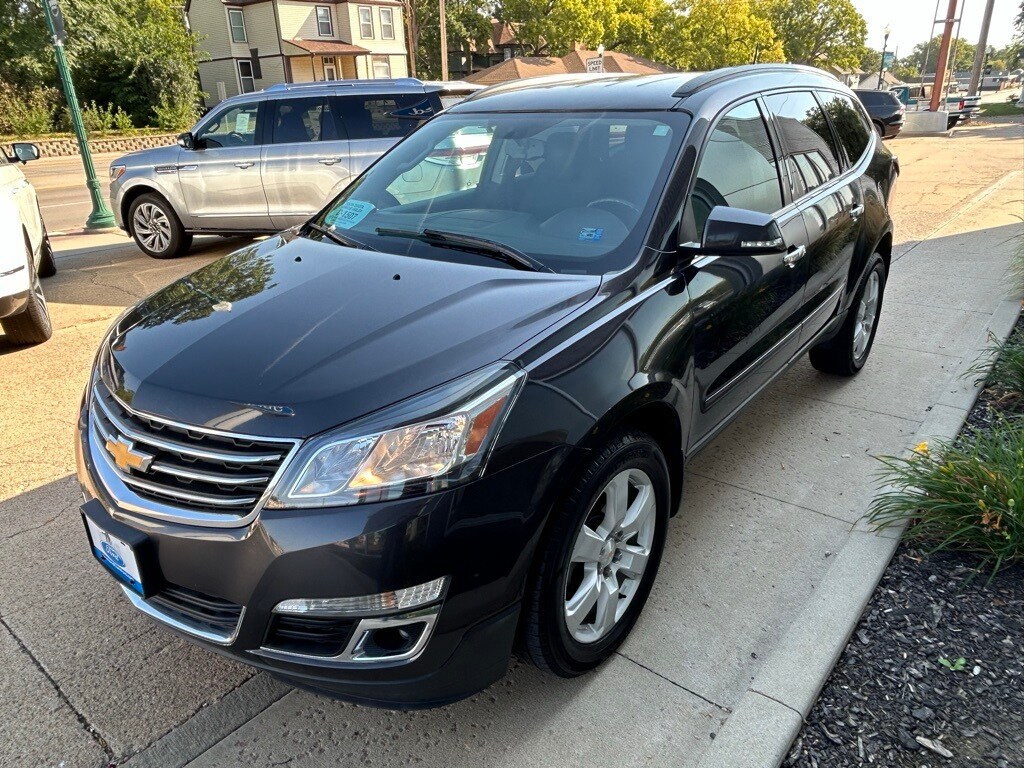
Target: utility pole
[
  {"x": 410, "y": 36},
  {"x": 979, "y": 55},
  {"x": 101, "y": 217},
  {"x": 444, "y": 40},
  {"x": 938, "y": 92},
  {"x": 881, "y": 65}
]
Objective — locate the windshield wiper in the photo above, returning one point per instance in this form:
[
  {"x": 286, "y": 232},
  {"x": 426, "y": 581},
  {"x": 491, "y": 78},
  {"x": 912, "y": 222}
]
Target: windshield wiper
[
  {"x": 336, "y": 237},
  {"x": 506, "y": 253}
]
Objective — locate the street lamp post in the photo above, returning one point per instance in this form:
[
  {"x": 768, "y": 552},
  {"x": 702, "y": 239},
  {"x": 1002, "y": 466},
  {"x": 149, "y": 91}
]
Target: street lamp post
[
  {"x": 885, "y": 44},
  {"x": 101, "y": 217}
]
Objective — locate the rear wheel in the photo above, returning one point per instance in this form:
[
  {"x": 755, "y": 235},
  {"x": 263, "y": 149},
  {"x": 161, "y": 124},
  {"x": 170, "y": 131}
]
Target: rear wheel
[
  {"x": 156, "y": 227},
  {"x": 598, "y": 560},
  {"x": 846, "y": 353},
  {"x": 47, "y": 265},
  {"x": 952, "y": 121},
  {"x": 32, "y": 325},
  {"x": 879, "y": 129}
]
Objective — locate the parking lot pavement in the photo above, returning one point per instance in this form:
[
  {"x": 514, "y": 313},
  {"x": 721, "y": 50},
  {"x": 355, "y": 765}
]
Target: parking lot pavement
[{"x": 769, "y": 507}]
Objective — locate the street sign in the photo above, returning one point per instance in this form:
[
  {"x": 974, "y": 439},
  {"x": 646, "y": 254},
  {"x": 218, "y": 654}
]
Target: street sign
[
  {"x": 595, "y": 64},
  {"x": 58, "y": 21},
  {"x": 888, "y": 59}
]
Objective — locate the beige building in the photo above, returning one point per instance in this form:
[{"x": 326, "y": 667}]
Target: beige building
[{"x": 253, "y": 44}]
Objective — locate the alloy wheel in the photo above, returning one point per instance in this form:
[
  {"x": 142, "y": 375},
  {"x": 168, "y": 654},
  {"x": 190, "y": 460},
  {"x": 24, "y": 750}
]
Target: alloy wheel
[
  {"x": 151, "y": 225},
  {"x": 867, "y": 315},
  {"x": 609, "y": 556}
]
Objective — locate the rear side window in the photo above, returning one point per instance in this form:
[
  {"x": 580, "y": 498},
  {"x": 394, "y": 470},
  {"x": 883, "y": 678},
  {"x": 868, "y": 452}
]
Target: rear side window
[
  {"x": 738, "y": 168},
  {"x": 811, "y": 155},
  {"x": 384, "y": 117},
  {"x": 877, "y": 98},
  {"x": 298, "y": 121},
  {"x": 848, "y": 124}
]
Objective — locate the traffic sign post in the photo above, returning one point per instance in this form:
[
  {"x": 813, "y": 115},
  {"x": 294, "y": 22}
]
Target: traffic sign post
[{"x": 101, "y": 217}]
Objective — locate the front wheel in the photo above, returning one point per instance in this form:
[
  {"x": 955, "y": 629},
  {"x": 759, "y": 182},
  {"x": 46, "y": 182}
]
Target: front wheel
[
  {"x": 846, "y": 353},
  {"x": 32, "y": 325},
  {"x": 47, "y": 264},
  {"x": 156, "y": 227},
  {"x": 599, "y": 558}
]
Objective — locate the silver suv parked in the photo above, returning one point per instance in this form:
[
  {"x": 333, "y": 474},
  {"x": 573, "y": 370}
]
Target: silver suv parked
[{"x": 262, "y": 162}]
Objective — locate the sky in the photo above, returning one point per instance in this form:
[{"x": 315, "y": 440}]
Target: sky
[{"x": 909, "y": 21}]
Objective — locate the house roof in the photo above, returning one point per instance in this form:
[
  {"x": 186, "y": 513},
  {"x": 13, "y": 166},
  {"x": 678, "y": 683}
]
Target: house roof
[
  {"x": 322, "y": 47},
  {"x": 576, "y": 62}
]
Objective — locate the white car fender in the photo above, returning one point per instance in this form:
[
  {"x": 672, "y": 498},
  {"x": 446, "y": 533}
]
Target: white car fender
[{"x": 14, "y": 275}]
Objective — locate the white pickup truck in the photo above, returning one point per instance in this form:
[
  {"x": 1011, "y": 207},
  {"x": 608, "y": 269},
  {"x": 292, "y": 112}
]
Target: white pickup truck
[{"x": 917, "y": 98}]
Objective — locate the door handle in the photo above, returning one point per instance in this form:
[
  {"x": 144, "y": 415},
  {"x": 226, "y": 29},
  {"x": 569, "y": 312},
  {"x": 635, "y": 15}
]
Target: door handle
[
  {"x": 244, "y": 165},
  {"x": 857, "y": 211},
  {"x": 791, "y": 258},
  {"x": 329, "y": 160}
]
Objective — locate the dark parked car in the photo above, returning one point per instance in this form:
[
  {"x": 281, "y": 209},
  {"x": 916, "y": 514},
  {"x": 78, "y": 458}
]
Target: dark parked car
[
  {"x": 379, "y": 451},
  {"x": 886, "y": 111}
]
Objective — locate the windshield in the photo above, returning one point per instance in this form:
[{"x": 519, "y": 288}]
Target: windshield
[{"x": 573, "y": 191}]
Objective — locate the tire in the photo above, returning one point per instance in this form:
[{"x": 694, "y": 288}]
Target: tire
[
  {"x": 156, "y": 228},
  {"x": 880, "y": 130},
  {"x": 951, "y": 122},
  {"x": 846, "y": 353},
  {"x": 47, "y": 265},
  {"x": 32, "y": 325},
  {"x": 633, "y": 461}
]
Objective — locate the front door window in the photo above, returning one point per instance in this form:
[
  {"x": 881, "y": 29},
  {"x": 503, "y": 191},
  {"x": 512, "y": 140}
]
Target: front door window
[{"x": 235, "y": 127}]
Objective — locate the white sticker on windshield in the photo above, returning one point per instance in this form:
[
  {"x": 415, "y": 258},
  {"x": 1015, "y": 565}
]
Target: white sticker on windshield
[
  {"x": 661, "y": 130},
  {"x": 242, "y": 122},
  {"x": 349, "y": 214}
]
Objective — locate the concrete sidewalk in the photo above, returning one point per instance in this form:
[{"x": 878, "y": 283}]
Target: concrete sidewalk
[{"x": 769, "y": 521}]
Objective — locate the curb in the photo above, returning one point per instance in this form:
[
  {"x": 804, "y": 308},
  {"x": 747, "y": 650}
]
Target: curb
[{"x": 769, "y": 715}]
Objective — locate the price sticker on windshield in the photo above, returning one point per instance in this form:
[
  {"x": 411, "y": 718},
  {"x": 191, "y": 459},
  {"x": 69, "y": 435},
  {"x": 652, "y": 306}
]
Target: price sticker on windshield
[{"x": 349, "y": 214}]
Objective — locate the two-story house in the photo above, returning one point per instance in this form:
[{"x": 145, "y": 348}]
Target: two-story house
[{"x": 253, "y": 44}]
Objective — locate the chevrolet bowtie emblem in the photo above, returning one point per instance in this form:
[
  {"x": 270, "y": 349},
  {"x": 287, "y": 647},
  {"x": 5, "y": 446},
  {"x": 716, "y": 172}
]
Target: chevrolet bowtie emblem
[{"x": 126, "y": 457}]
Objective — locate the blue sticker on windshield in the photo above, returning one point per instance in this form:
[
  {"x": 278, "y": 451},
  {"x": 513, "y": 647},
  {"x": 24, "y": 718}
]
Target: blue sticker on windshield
[
  {"x": 591, "y": 233},
  {"x": 661, "y": 130},
  {"x": 349, "y": 214}
]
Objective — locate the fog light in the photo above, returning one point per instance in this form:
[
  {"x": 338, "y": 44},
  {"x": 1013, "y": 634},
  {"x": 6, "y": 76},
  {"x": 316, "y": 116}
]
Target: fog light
[{"x": 368, "y": 605}]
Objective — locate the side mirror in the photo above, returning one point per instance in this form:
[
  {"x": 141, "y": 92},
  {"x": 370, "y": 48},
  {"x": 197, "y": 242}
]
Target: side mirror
[
  {"x": 186, "y": 140},
  {"x": 737, "y": 232},
  {"x": 24, "y": 151}
]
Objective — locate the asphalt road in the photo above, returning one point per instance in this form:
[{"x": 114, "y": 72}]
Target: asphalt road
[
  {"x": 88, "y": 681},
  {"x": 63, "y": 194}
]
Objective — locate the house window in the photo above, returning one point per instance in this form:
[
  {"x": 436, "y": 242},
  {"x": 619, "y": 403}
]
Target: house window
[
  {"x": 324, "y": 23},
  {"x": 330, "y": 68},
  {"x": 246, "y": 81},
  {"x": 387, "y": 23},
  {"x": 381, "y": 67},
  {"x": 365, "y": 22},
  {"x": 236, "y": 21}
]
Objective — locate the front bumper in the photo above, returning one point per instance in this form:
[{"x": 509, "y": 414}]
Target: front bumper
[{"x": 480, "y": 535}]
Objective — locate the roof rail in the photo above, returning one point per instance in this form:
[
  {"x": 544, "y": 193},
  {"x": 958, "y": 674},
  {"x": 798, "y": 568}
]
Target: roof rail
[
  {"x": 707, "y": 79},
  {"x": 369, "y": 83}
]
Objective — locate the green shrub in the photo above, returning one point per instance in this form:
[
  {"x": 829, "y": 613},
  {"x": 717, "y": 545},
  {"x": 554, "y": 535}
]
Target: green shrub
[
  {"x": 1005, "y": 377},
  {"x": 1017, "y": 268},
  {"x": 26, "y": 113},
  {"x": 123, "y": 123},
  {"x": 177, "y": 115},
  {"x": 967, "y": 495}
]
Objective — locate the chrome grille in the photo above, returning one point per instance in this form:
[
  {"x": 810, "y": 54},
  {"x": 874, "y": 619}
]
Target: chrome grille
[{"x": 186, "y": 467}]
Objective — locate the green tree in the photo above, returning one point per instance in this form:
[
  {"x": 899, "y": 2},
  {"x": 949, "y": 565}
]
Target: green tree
[
  {"x": 465, "y": 21},
  {"x": 133, "y": 54},
  {"x": 928, "y": 54},
  {"x": 552, "y": 27},
  {"x": 818, "y": 32},
  {"x": 706, "y": 34}
]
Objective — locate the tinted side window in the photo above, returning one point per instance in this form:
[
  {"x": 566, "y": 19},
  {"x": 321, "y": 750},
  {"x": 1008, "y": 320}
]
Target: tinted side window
[
  {"x": 382, "y": 117},
  {"x": 848, "y": 123},
  {"x": 234, "y": 127},
  {"x": 738, "y": 167},
  {"x": 806, "y": 138},
  {"x": 302, "y": 120}
]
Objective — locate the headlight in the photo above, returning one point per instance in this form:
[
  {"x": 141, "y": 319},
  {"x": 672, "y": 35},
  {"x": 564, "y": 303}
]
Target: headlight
[
  {"x": 445, "y": 439},
  {"x": 116, "y": 171}
]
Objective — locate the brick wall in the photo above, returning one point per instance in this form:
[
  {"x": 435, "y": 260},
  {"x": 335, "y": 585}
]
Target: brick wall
[{"x": 68, "y": 146}]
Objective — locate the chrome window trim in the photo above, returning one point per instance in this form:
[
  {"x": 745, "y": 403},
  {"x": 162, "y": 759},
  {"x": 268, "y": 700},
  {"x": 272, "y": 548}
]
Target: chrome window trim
[
  {"x": 352, "y": 655},
  {"x": 157, "y": 615}
]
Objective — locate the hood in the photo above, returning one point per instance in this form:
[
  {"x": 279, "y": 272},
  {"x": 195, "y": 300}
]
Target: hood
[{"x": 290, "y": 337}]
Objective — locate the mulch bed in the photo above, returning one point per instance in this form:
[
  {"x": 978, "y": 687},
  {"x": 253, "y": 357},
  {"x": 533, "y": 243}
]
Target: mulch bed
[{"x": 889, "y": 688}]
